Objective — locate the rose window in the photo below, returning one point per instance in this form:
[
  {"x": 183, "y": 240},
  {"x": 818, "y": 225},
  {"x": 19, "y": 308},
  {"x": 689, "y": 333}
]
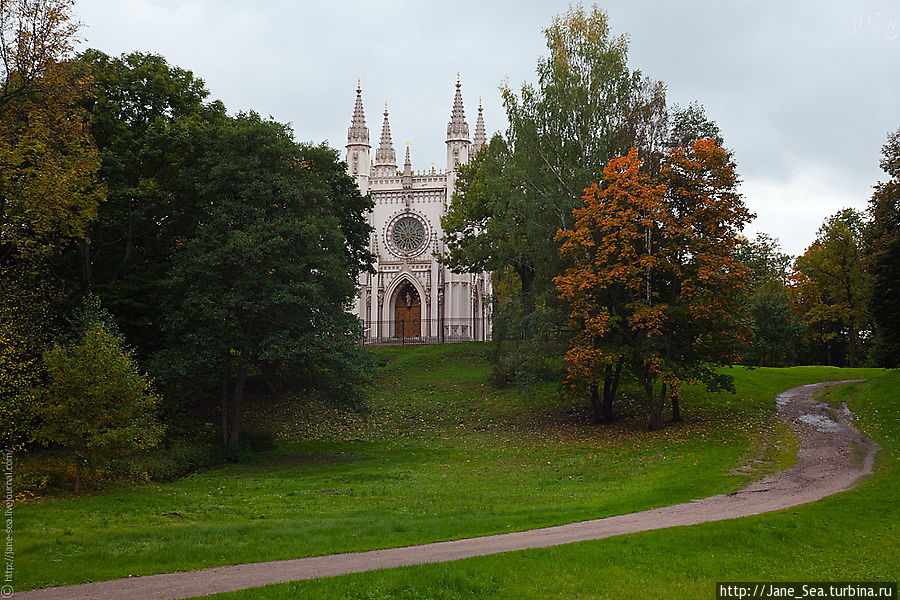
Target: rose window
[{"x": 408, "y": 234}]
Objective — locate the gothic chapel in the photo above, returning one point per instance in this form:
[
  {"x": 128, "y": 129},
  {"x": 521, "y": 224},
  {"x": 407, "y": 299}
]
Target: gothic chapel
[{"x": 412, "y": 297}]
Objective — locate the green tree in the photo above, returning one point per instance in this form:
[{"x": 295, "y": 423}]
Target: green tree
[
  {"x": 48, "y": 162},
  {"x": 48, "y": 190},
  {"x": 96, "y": 404},
  {"x": 777, "y": 332},
  {"x": 569, "y": 125},
  {"x": 27, "y": 322},
  {"x": 522, "y": 188},
  {"x": 883, "y": 253},
  {"x": 150, "y": 121},
  {"x": 266, "y": 282},
  {"x": 830, "y": 287},
  {"x": 689, "y": 124},
  {"x": 494, "y": 224},
  {"x": 35, "y": 35}
]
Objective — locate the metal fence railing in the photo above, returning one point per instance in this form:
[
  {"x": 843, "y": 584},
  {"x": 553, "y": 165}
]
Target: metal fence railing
[{"x": 426, "y": 331}]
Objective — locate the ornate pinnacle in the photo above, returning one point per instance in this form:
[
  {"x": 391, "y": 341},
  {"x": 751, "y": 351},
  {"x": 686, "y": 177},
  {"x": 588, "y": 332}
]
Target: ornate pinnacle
[
  {"x": 385, "y": 154},
  {"x": 480, "y": 135},
  {"x": 358, "y": 133},
  {"x": 457, "y": 128},
  {"x": 407, "y": 165}
]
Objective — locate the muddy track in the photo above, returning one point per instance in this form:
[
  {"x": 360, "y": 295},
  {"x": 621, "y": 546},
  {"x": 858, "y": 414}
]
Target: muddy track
[{"x": 831, "y": 457}]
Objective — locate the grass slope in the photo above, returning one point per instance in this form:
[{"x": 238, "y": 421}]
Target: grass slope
[
  {"x": 852, "y": 536},
  {"x": 442, "y": 455}
]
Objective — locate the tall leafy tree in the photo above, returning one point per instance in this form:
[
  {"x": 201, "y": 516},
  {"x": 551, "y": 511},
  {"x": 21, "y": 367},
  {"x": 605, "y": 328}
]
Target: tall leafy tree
[
  {"x": 47, "y": 159},
  {"x": 266, "y": 281},
  {"x": 883, "y": 249},
  {"x": 777, "y": 332},
  {"x": 830, "y": 288},
  {"x": 656, "y": 278},
  {"x": 607, "y": 286},
  {"x": 523, "y": 187},
  {"x": 563, "y": 131},
  {"x": 48, "y": 167},
  {"x": 48, "y": 189},
  {"x": 34, "y": 36},
  {"x": 494, "y": 224},
  {"x": 150, "y": 121},
  {"x": 706, "y": 281}
]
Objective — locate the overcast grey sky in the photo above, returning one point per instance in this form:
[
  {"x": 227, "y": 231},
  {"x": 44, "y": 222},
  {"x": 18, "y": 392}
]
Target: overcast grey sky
[{"x": 805, "y": 92}]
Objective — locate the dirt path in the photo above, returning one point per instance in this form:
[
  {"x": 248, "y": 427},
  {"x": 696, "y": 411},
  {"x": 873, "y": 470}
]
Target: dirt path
[{"x": 831, "y": 457}]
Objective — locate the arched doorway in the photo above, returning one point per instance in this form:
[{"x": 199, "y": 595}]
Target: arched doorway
[{"x": 407, "y": 312}]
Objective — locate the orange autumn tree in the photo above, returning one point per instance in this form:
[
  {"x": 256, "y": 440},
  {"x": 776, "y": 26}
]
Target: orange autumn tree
[
  {"x": 611, "y": 251},
  {"x": 655, "y": 283},
  {"x": 704, "y": 282}
]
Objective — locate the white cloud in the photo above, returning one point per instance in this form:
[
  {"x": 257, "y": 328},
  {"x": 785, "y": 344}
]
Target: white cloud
[{"x": 793, "y": 209}]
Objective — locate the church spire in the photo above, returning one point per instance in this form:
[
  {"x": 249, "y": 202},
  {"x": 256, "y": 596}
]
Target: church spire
[
  {"x": 480, "y": 136},
  {"x": 458, "y": 144},
  {"x": 358, "y": 165},
  {"x": 457, "y": 128},
  {"x": 385, "y": 155},
  {"x": 407, "y": 166},
  {"x": 407, "y": 179},
  {"x": 358, "y": 134}
]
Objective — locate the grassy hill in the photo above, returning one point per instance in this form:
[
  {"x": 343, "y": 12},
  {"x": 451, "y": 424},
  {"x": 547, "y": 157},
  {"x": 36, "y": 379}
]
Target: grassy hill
[{"x": 442, "y": 454}]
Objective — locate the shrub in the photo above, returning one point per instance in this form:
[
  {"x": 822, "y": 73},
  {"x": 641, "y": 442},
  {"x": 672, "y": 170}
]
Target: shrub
[
  {"x": 180, "y": 459},
  {"x": 96, "y": 405},
  {"x": 258, "y": 439}
]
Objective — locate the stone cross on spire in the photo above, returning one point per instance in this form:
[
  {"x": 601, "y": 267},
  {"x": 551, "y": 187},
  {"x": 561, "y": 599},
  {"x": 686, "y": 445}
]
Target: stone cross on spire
[
  {"x": 385, "y": 155},
  {"x": 358, "y": 133},
  {"x": 480, "y": 135}
]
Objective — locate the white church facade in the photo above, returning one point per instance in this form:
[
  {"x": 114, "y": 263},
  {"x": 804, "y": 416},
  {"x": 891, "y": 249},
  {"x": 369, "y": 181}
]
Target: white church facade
[{"x": 412, "y": 297}]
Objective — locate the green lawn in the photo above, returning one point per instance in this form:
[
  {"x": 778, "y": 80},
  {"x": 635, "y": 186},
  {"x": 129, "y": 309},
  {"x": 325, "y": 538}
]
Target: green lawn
[
  {"x": 441, "y": 455},
  {"x": 852, "y": 536}
]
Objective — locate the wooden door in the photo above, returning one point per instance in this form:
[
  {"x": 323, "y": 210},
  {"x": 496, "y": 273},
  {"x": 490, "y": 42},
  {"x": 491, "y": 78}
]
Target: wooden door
[{"x": 407, "y": 312}]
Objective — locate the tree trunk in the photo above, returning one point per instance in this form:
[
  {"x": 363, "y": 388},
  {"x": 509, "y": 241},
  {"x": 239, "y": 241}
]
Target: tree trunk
[
  {"x": 654, "y": 405},
  {"x": 85, "y": 246},
  {"x": 269, "y": 378},
  {"x": 526, "y": 277},
  {"x": 610, "y": 388},
  {"x": 647, "y": 381},
  {"x": 676, "y": 406},
  {"x": 658, "y": 408},
  {"x": 226, "y": 379},
  {"x": 234, "y": 431},
  {"x": 129, "y": 244},
  {"x": 78, "y": 462},
  {"x": 851, "y": 346},
  {"x": 596, "y": 405}
]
